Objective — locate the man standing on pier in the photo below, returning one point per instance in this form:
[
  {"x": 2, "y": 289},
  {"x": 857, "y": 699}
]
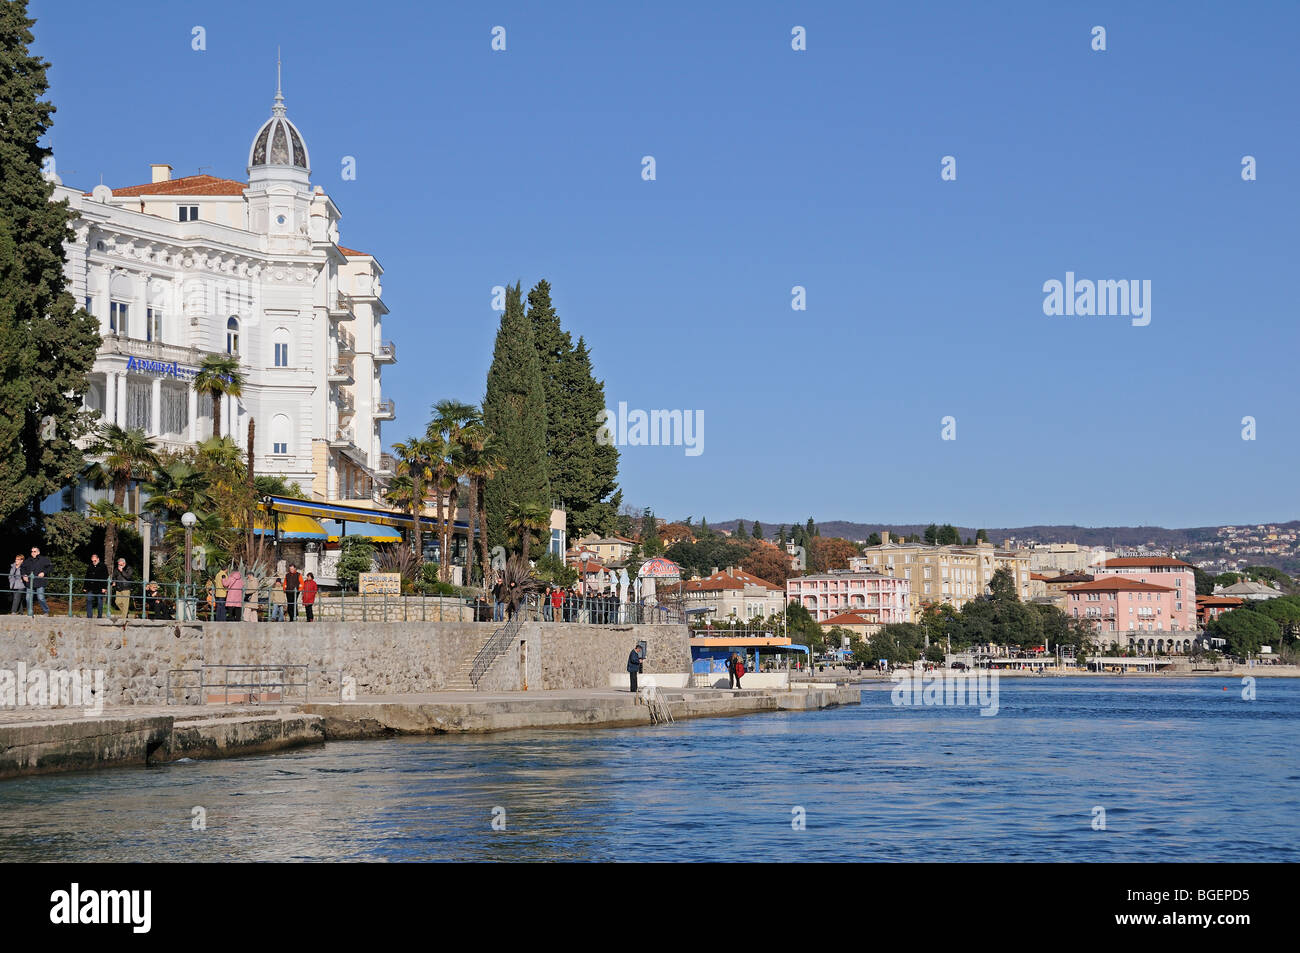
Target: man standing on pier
[
  {"x": 292, "y": 583},
  {"x": 634, "y": 665}
]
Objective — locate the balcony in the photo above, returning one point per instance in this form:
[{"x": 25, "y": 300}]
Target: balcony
[
  {"x": 385, "y": 410},
  {"x": 386, "y": 353},
  {"x": 339, "y": 374},
  {"x": 347, "y": 344},
  {"x": 340, "y": 308},
  {"x": 342, "y": 439},
  {"x": 343, "y": 400}
]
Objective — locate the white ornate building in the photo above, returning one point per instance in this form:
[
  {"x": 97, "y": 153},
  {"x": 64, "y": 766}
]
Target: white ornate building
[{"x": 180, "y": 268}]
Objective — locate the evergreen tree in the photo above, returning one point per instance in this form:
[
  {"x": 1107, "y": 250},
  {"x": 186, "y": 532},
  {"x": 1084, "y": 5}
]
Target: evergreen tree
[
  {"x": 810, "y": 530},
  {"x": 515, "y": 410},
  {"x": 587, "y": 469},
  {"x": 704, "y": 527},
  {"x": 758, "y": 530},
  {"x": 981, "y": 536},
  {"x": 780, "y": 535},
  {"x": 740, "y": 530},
  {"x": 932, "y": 534},
  {"x": 651, "y": 545},
  {"x": 47, "y": 343}
]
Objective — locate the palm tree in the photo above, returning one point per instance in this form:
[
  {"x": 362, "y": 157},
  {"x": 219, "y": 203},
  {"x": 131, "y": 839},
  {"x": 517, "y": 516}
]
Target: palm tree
[
  {"x": 524, "y": 519},
  {"x": 451, "y": 419},
  {"x": 219, "y": 376},
  {"x": 483, "y": 460},
  {"x": 409, "y": 489},
  {"x": 125, "y": 453},
  {"x": 175, "y": 487}
]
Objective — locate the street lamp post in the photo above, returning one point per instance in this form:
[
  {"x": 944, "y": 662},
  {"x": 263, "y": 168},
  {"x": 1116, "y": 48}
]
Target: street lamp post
[{"x": 188, "y": 520}]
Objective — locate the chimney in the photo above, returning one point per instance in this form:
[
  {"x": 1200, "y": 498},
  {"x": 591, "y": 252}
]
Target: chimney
[
  {"x": 715, "y": 571},
  {"x": 161, "y": 172},
  {"x": 884, "y": 536}
]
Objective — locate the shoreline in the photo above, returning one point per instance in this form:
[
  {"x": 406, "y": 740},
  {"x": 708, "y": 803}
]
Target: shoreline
[{"x": 48, "y": 741}]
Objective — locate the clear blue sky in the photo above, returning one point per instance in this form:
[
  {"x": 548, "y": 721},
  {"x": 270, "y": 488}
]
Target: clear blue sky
[{"x": 779, "y": 168}]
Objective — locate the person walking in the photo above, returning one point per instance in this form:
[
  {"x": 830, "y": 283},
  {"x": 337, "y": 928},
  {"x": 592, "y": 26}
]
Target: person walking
[
  {"x": 96, "y": 587},
  {"x": 634, "y": 663},
  {"x": 37, "y": 570},
  {"x": 309, "y": 594},
  {"x": 731, "y": 670},
  {"x": 279, "y": 600},
  {"x": 292, "y": 583},
  {"x": 220, "y": 595},
  {"x": 740, "y": 669},
  {"x": 16, "y": 584},
  {"x": 234, "y": 585},
  {"x": 123, "y": 580}
]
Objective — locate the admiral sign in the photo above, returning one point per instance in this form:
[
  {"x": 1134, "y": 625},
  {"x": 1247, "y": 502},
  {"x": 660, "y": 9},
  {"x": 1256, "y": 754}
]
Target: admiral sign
[{"x": 140, "y": 365}]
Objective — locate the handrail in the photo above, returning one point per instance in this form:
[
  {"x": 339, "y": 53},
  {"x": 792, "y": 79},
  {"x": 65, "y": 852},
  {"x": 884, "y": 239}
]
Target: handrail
[{"x": 495, "y": 647}]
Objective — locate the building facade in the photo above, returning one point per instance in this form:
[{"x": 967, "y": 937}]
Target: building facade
[
  {"x": 879, "y": 598},
  {"x": 952, "y": 574},
  {"x": 732, "y": 594},
  {"x": 1162, "y": 571},
  {"x": 178, "y": 269}
]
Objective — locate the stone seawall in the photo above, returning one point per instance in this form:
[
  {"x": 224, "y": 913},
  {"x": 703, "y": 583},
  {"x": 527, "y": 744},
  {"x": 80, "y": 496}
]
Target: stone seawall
[{"x": 383, "y": 658}]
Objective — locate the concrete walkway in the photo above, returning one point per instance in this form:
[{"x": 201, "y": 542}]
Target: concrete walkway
[{"x": 44, "y": 740}]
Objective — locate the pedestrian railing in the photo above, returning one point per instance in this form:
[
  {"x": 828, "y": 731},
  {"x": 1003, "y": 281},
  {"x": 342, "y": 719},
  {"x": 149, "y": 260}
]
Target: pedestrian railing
[
  {"x": 275, "y": 684},
  {"x": 77, "y": 596},
  {"x": 494, "y": 648}
]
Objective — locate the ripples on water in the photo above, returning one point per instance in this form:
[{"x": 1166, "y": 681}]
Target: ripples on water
[{"x": 1185, "y": 771}]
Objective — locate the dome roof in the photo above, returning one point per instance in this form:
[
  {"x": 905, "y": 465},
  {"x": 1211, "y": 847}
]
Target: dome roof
[{"x": 278, "y": 142}]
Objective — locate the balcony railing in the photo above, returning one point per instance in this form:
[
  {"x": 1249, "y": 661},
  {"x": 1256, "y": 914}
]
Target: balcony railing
[
  {"x": 347, "y": 343},
  {"x": 339, "y": 374},
  {"x": 386, "y": 353},
  {"x": 386, "y": 409}
]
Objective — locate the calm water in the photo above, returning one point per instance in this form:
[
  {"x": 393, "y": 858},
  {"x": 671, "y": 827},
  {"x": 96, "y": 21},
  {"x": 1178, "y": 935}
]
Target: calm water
[{"x": 1184, "y": 770}]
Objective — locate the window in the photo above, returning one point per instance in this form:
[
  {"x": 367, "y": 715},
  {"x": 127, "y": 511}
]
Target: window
[
  {"x": 117, "y": 318},
  {"x": 90, "y": 304},
  {"x": 153, "y": 324},
  {"x": 232, "y": 335},
  {"x": 189, "y": 213},
  {"x": 280, "y": 428},
  {"x": 281, "y": 346}
]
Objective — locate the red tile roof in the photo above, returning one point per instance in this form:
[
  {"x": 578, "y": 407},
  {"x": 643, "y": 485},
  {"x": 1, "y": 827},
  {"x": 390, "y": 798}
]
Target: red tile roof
[
  {"x": 185, "y": 185},
  {"x": 736, "y": 579},
  {"x": 1145, "y": 561},
  {"x": 850, "y": 618},
  {"x": 1118, "y": 583},
  {"x": 353, "y": 253}
]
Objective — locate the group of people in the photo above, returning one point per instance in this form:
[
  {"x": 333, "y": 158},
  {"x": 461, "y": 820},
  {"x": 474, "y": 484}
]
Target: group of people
[
  {"x": 235, "y": 597},
  {"x": 562, "y": 604},
  {"x": 229, "y": 596}
]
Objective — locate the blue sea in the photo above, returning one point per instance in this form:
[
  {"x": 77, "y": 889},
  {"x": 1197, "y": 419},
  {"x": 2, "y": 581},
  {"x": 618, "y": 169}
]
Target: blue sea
[{"x": 1072, "y": 769}]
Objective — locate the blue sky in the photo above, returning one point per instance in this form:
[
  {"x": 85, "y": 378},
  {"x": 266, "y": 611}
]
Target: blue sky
[{"x": 778, "y": 168}]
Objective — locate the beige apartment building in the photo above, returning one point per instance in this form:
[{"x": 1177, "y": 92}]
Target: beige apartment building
[{"x": 952, "y": 574}]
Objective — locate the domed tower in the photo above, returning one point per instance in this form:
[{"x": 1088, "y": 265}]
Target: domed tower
[{"x": 279, "y": 170}]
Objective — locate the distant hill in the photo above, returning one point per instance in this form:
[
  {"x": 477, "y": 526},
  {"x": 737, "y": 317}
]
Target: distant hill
[{"x": 1151, "y": 537}]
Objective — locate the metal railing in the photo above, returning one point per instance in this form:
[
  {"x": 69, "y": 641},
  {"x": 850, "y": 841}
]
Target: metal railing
[
  {"x": 72, "y": 596},
  {"x": 494, "y": 648},
  {"x": 241, "y": 684}
]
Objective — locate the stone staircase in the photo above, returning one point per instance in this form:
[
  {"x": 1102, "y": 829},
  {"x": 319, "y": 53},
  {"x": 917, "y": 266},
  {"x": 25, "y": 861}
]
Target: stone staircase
[{"x": 459, "y": 681}]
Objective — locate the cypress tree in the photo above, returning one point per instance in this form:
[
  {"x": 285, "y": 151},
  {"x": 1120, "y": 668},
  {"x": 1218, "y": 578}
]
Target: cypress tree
[
  {"x": 585, "y": 471},
  {"x": 47, "y": 343},
  {"x": 757, "y": 532},
  {"x": 515, "y": 410},
  {"x": 740, "y": 530}
]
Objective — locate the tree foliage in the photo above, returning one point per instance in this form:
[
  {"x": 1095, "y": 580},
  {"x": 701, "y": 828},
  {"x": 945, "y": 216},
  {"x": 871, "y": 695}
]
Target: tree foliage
[{"x": 47, "y": 343}]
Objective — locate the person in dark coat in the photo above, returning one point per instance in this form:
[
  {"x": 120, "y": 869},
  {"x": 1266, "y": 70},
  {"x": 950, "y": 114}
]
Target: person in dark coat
[
  {"x": 96, "y": 587},
  {"x": 16, "y": 584},
  {"x": 634, "y": 665},
  {"x": 37, "y": 571},
  {"x": 732, "y": 680}
]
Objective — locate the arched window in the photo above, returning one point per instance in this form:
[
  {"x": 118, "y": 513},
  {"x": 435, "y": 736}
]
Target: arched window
[
  {"x": 281, "y": 346},
  {"x": 232, "y": 335},
  {"x": 280, "y": 428}
]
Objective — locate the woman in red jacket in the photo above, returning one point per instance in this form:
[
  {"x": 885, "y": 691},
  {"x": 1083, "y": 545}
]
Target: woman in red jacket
[
  {"x": 740, "y": 669},
  {"x": 309, "y": 588}
]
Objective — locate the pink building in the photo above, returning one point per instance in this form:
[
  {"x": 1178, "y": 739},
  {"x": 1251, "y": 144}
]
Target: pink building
[
  {"x": 882, "y": 599},
  {"x": 1122, "y": 609},
  {"x": 1160, "y": 571}
]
